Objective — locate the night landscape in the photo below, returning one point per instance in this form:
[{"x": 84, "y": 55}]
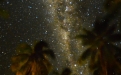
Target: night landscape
[{"x": 60, "y": 37}]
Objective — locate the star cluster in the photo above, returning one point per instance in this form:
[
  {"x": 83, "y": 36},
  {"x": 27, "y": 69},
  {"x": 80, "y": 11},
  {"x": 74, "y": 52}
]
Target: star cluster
[{"x": 56, "y": 21}]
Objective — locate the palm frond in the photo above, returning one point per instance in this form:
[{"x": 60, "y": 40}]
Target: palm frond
[
  {"x": 86, "y": 39},
  {"x": 18, "y": 61},
  {"x": 112, "y": 5},
  {"x": 94, "y": 61},
  {"x": 38, "y": 67},
  {"x": 115, "y": 48},
  {"x": 40, "y": 45},
  {"x": 25, "y": 69},
  {"x": 87, "y": 53},
  {"x": 47, "y": 64},
  {"x": 100, "y": 26},
  {"x": 20, "y": 57},
  {"x": 108, "y": 54},
  {"x": 111, "y": 30},
  {"x": 115, "y": 37},
  {"x": 50, "y": 53},
  {"x": 117, "y": 52},
  {"x": 24, "y": 48},
  {"x": 81, "y": 36},
  {"x": 88, "y": 32}
]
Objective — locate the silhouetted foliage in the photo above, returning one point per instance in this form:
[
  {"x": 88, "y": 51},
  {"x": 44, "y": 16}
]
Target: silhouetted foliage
[
  {"x": 66, "y": 71},
  {"x": 32, "y": 62},
  {"x": 38, "y": 47},
  {"x": 101, "y": 51}
]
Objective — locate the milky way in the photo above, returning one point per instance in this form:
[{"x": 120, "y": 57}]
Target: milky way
[
  {"x": 65, "y": 20},
  {"x": 55, "y": 21}
]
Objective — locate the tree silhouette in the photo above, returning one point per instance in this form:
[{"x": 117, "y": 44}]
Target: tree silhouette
[
  {"x": 101, "y": 49},
  {"x": 66, "y": 71},
  {"x": 30, "y": 61}
]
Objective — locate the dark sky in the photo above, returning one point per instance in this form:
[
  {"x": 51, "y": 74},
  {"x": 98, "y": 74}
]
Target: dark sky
[
  {"x": 33, "y": 20},
  {"x": 26, "y": 23}
]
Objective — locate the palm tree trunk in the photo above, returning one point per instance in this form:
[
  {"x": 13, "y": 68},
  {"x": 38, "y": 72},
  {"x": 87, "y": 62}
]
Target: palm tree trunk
[{"x": 103, "y": 63}]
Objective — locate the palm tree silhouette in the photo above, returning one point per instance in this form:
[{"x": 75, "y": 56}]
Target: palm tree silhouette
[
  {"x": 101, "y": 49},
  {"x": 30, "y": 61}
]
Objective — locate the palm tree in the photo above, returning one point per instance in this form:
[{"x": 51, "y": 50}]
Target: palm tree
[
  {"x": 104, "y": 55},
  {"x": 30, "y": 61}
]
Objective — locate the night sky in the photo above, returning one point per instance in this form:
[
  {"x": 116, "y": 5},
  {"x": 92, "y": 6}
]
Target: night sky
[{"x": 55, "y": 21}]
